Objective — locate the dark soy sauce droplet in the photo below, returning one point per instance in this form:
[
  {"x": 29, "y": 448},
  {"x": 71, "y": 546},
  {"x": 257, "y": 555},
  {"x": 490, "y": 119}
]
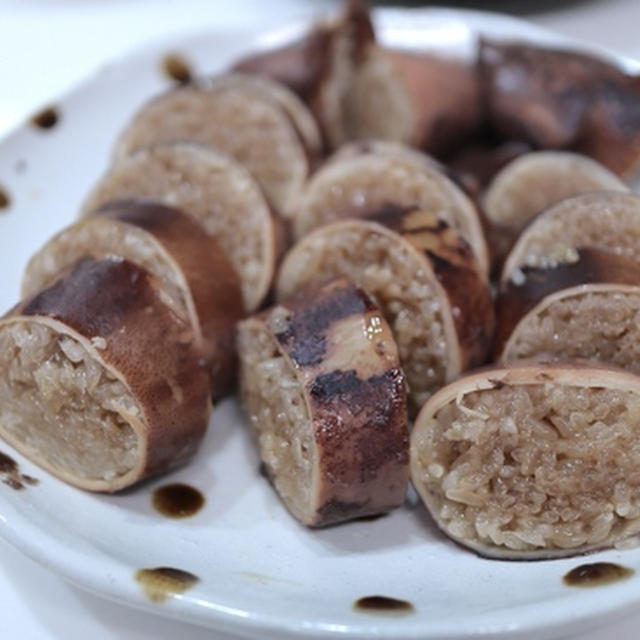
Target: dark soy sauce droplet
[
  {"x": 10, "y": 473},
  {"x": 162, "y": 582},
  {"x": 177, "y": 68},
  {"x": 596, "y": 574},
  {"x": 5, "y": 200},
  {"x": 383, "y": 605},
  {"x": 46, "y": 119},
  {"x": 177, "y": 500}
]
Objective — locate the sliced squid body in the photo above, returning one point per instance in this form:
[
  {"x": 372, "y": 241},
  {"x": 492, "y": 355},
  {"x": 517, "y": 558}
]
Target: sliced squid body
[
  {"x": 101, "y": 383},
  {"x": 537, "y": 461},
  {"x": 525, "y": 90},
  {"x": 197, "y": 280},
  {"x": 606, "y": 220},
  {"x": 215, "y": 191},
  {"x": 534, "y": 182},
  {"x": 237, "y": 117},
  {"x": 320, "y": 68},
  {"x": 356, "y": 185},
  {"x": 588, "y": 309},
  {"x": 425, "y": 279},
  {"x": 321, "y": 383},
  {"x": 421, "y": 100}
]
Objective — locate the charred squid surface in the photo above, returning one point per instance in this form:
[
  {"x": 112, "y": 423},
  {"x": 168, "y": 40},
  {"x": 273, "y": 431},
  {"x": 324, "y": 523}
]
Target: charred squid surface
[
  {"x": 423, "y": 276},
  {"x": 216, "y": 192},
  {"x": 534, "y": 182},
  {"x": 321, "y": 383},
  {"x": 355, "y": 185},
  {"x": 608, "y": 220},
  {"x": 197, "y": 280},
  {"x": 237, "y": 118},
  {"x": 589, "y": 309},
  {"x": 534, "y": 461},
  {"x": 102, "y": 383},
  {"x": 563, "y": 100}
]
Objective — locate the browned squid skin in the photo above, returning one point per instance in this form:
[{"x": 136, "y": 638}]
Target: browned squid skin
[
  {"x": 208, "y": 274},
  {"x": 456, "y": 268},
  {"x": 558, "y": 99},
  {"x": 310, "y": 66},
  {"x": 594, "y": 266},
  {"x": 358, "y": 411},
  {"x": 155, "y": 354},
  {"x": 442, "y": 97}
]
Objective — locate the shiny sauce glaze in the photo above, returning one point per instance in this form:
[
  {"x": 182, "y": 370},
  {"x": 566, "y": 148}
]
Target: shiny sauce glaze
[
  {"x": 383, "y": 605},
  {"x": 164, "y": 582},
  {"x": 177, "y": 500},
  {"x": 596, "y": 574}
]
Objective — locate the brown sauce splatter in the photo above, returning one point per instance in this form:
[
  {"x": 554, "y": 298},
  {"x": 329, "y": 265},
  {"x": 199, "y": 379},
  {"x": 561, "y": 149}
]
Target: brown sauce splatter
[
  {"x": 177, "y": 68},
  {"x": 596, "y": 574},
  {"x": 46, "y": 119},
  {"x": 177, "y": 500},
  {"x": 11, "y": 476},
  {"x": 163, "y": 582},
  {"x": 383, "y": 605},
  {"x": 5, "y": 200}
]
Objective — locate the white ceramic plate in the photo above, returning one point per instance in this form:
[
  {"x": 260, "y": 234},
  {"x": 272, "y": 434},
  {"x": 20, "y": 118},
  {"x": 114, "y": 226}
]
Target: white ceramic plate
[{"x": 261, "y": 574}]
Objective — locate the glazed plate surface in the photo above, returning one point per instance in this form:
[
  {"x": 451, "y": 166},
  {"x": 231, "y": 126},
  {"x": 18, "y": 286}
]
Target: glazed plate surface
[{"x": 260, "y": 574}]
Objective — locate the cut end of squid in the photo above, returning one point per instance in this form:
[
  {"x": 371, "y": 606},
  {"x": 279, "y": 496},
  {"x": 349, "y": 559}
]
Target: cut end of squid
[
  {"x": 537, "y": 461},
  {"x": 77, "y": 393}
]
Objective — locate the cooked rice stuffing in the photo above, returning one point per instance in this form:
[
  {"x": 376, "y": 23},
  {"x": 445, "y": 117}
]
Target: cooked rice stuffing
[
  {"x": 64, "y": 406},
  {"x": 598, "y": 325},
  {"x": 273, "y": 400},
  {"x": 536, "y": 466}
]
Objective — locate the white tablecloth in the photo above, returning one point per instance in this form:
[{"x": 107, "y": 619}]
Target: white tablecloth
[{"x": 40, "y": 41}]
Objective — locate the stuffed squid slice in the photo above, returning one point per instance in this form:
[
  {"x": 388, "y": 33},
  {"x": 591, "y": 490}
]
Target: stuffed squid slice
[
  {"x": 354, "y": 185},
  {"x": 423, "y": 276},
  {"x": 536, "y": 461},
  {"x": 588, "y": 309},
  {"x": 197, "y": 280},
  {"x": 534, "y": 182},
  {"x": 321, "y": 383},
  {"x": 608, "y": 220},
  {"x": 237, "y": 118},
  {"x": 102, "y": 384},
  {"x": 216, "y": 192}
]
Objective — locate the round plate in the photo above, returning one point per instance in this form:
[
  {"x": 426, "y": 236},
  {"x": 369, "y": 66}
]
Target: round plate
[{"x": 261, "y": 574}]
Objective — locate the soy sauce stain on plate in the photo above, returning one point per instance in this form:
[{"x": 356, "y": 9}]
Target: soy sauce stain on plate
[
  {"x": 177, "y": 500},
  {"x": 11, "y": 476},
  {"x": 177, "y": 68},
  {"x": 383, "y": 605},
  {"x": 163, "y": 582},
  {"x": 46, "y": 119},
  {"x": 5, "y": 200},
  {"x": 597, "y": 574}
]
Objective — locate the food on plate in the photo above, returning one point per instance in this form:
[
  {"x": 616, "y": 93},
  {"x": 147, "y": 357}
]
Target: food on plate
[
  {"x": 102, "y": 384},
  {"x": 320, "y": 67},
  {"x": 536, "y": 461},
  {"x": 603, "y": 220},
  {"x": 197, "y": 280},
  {"x": 322, "y": 386},
  {"x": 563, "y": 100},
  {"x": 236, "y": 117},
  {"x": 429, "y": 102},
  {"x": 535, "y": 181},
  {"x": 354, "y": 185},
  {"x": 214, "y": 190},
  {"x": 587, "y": 309},
  {"x": 423, "y": 276}
]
